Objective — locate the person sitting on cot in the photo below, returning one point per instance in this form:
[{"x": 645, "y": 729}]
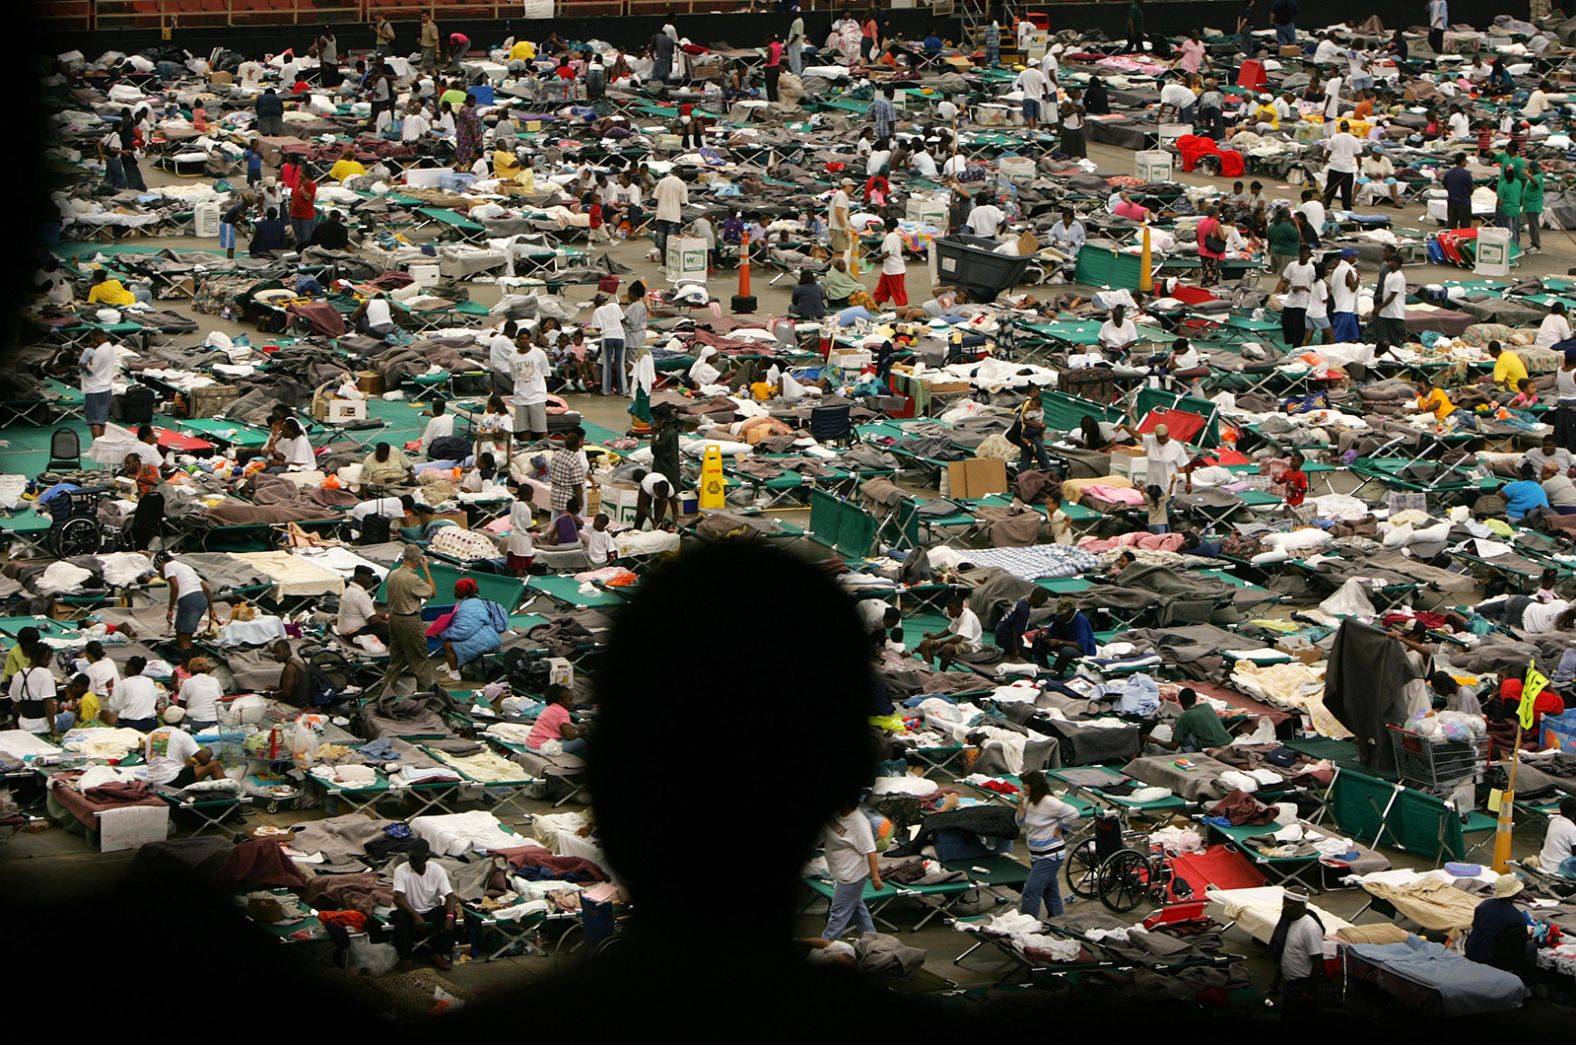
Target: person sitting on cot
[
  {"x": 554, "y": 724},
  {"x": 962, "y": 635}
]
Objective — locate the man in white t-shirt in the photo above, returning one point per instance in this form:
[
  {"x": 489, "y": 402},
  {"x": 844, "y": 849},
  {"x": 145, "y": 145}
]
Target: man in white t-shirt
[
  {"x": 190, "y": 600},
  {"x": 1164, "y": 458},
  {"x": 175, "y": 759},
  {"x": 1301, "y": 956},
  {"x": 1296, "y": 283},
  {"x": 374, "y": 317},
  {"x": 1032, "y": 83},
  {"x": 1340, "y": 175},
  {"x": 838, "y": 225},
  {"x": 962, "y": 635},
  {"x": 986, "y": 218},
  {"x": 1390, "y": 326},
  {"x": 424, "y": 904},
  {"x": 1344, "y": 283},
  {"x": 656, "y": 499},
  {"x": 1556, "y": 327},
  {"x": 1332, "y": 104},
  {"x": 671, "y": 195},
  {"x": 99, "y": 364},
  {"x": 1118, "y": 333},
  {"x": 878, "y": 615},
  {"x": 850, "y": 848},
  {"x": 530, "y": 366},
  {"x": 358, "y": 613},
  {"x": 1558, "y": 855},
  {"x": 1176, "y": 103},
  {"x": 500, "y": 358}
]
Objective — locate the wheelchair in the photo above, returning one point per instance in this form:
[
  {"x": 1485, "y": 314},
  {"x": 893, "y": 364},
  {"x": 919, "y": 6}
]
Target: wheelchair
[
  {"x": 77, "y": 530},
  {"x": 1123, "y": 869}
]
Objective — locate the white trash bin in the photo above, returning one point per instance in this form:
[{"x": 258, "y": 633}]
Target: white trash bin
[{"x": 1493, "y": 252}]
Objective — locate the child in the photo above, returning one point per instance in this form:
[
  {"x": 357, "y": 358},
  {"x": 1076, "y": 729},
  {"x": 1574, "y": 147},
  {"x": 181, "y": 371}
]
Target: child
[
  {"x": 733, "y": 229},
  {"x": 254, "y": 166},
  {"x": 599, "y": 230},
  {"x": 1546, "y": 592},
  {"x": 1296, "y": 482},
  {"x": 598, "y": 541},
  {"x": 1525, "y": 398},
  {"x": 1159, "y": 509},
  {"x": 580, "y": 356},
  {"x": 1061, "y": 526}
]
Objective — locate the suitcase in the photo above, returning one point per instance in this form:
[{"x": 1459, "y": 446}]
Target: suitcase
[{"x": 136, "y": 406}]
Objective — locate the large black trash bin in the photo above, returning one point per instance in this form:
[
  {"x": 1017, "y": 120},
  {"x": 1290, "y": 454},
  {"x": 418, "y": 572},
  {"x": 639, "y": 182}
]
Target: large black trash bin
[{"x": 971, "y": 263}]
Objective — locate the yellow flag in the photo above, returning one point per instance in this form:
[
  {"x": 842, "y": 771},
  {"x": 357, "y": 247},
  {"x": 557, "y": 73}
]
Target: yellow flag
[{"x": 1536, "y": 683}]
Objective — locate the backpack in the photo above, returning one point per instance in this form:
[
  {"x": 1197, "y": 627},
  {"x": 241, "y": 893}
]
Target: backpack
[
  {"x": 319, "y": 687},
  {"x": 449, "y": 448}
]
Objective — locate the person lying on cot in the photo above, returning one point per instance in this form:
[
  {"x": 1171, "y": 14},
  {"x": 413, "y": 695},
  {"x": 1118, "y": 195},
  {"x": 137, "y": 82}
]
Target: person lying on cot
[
  {"x": 554, "y": 723},
  {"x": 962, "y": 635}
]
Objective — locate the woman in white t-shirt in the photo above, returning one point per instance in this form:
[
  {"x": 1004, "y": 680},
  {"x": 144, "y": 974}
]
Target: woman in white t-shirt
[
  {"x": 1318, "y": 314},
  {"x": 33, "y": 691},
  {"x": 290, "y": 450},
  {"x": 200, "y": 695}
]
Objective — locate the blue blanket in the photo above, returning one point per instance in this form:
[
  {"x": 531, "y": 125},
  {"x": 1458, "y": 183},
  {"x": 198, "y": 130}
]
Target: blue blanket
[{"x": 1464, "y": 987}]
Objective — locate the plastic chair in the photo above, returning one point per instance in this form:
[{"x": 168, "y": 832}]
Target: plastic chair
[{"x": 65, "y": 449}]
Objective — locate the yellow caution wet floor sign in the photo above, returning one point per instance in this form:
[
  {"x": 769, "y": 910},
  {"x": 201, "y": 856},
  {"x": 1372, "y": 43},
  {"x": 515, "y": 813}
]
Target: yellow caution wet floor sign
[{"x": 712, "y": 485}]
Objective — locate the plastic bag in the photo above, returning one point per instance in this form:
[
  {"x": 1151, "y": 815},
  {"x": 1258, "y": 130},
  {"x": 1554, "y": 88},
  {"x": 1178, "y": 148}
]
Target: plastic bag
[
  {"x": 303, "y": 743},
  {"x": 366, "y": 958}
]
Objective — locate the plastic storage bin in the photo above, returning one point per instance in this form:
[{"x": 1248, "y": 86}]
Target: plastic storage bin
[
  {"x": 1492, "y": 257},
  {"x": 972, "y": 264},
  {"x": 1153, "y": 165}
]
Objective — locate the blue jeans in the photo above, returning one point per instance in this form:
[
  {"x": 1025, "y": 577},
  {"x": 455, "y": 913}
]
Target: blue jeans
[
  {"x": 1512, "y": 222},
  {"x": 133, "y": 174},
  {"x": 1033, "y": 449},
  {"x": 114, "y": 172},
  {"x": 612, "y": 366},
  {"x": 1286, "y": 34},
  {"x": 571, "y": 747},
  {"x": 1043, "y": 881},
  {"x": 848, "y": 907}
]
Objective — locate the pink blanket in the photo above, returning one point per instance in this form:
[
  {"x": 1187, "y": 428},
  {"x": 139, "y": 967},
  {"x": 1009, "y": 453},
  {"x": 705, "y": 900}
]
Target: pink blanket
[
  {"x": 1115, "y": 494},
  {"x": 1154, "y": 542}
]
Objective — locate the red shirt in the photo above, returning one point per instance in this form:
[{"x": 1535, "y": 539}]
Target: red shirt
[
  {"x": 1296, "y": 487},
  {"x": 303, "y": 201},
  {"x": 774, "y": 54}
]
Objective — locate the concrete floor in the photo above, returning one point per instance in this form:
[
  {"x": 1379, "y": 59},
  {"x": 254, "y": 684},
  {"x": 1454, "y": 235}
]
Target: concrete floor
[{"x": 55, "y": 865}]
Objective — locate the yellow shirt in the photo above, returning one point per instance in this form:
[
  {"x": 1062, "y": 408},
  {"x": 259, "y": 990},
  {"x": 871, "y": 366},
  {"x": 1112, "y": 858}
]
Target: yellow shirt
[
  {"x": 761, "y": 390},
  {"x": 1438, "y": 402},
  {"x": 523, "y": 51},
  {"x": 506, "y": 164},
  {"x": 346, "y": 169},
  {"x": 1267, "y": 114},
  {"x": 1509, "y": 370},
  {"x": 15, "y": 660},
  {"x": 110, "y": 292},
  {"x": 88, "y": 709}
]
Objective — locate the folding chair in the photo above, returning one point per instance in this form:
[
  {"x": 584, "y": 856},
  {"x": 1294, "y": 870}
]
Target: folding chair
[
  {"x": 65, "y": 450},
  {"x": 831, "y": 424}
]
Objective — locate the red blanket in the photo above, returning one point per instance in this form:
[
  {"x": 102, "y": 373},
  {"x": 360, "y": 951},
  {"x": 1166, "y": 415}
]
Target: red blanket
[{"x": 1195, "y": 147}]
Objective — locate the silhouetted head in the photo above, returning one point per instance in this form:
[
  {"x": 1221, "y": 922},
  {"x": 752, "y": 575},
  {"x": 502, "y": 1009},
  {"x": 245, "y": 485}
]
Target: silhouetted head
[{"x": 829, "y": 764}]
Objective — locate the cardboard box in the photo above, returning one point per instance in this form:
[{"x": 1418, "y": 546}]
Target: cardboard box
[
  {"x": 132, "y": 827},
  {"x": 1290, "y": 51},
  {"x": 978, "y": 477},
  {"x": 1130, "y": 461},
  {"x": 221, "y": 78},
  {"x": 620, "y": 501},
  {"x": 370, "y": 382},
  {"x": 560, "y": 672},
  {"x": 342, "y": 410}
]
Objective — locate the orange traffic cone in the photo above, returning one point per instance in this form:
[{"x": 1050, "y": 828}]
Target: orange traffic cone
[{"x": 744, "y": 302}]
